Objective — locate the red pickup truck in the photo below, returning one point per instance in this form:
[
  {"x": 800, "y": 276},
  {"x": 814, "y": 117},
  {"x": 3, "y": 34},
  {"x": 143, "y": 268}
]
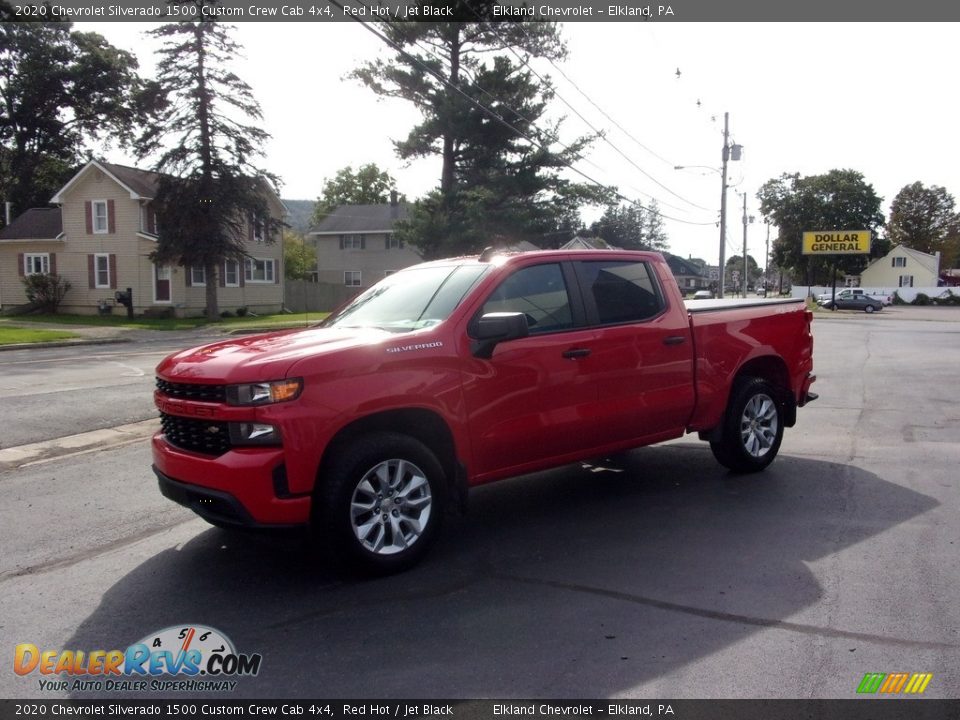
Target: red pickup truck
[{"x": 459, "y": 372}]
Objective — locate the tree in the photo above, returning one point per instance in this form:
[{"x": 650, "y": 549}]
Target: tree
[
  {"x": 482, "y": 115},
  {"x": 369, "y": 185},
  {"x": 299, "y": 259},
  {"x": 59, "y": 90},
  {"x": 46, "y": 290},
  {"x": 838, "y": 200},
  {"x": 632, "y": 226},
  {"x": 210, "y": 189},
  {"x": 924, "y": 218},
  {"x": 735, "y": 265}
]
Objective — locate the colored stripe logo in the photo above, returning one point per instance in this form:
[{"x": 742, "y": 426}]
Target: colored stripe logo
[{"x": 895, "y": 683}]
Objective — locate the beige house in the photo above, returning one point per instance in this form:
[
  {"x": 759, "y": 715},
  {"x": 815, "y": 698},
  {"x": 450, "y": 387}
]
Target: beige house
[
  {"x": 356, "y": 246},
  {"x": 100, "y": 240},
  {"x": 902, "y": 267}
]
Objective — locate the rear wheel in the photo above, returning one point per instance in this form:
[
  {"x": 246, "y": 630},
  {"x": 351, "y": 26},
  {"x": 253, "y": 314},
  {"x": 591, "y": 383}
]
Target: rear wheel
[
  {"x": 752, "y": 427},
  {"x": 869, "y": 308},
  {"x": 380, "y": 505}
]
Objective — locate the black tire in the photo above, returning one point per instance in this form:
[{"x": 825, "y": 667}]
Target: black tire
[
  {"x": 752, "y": 427},
  {"x": 379, "y": 506},
  {"x": 869, "y": 309}
]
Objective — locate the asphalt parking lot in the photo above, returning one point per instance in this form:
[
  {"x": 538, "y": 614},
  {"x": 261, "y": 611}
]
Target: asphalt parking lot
[{"x": 657, "y": 575}]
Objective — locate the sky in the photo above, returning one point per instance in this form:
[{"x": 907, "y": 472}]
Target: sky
[{"x": 802, "y": 98}]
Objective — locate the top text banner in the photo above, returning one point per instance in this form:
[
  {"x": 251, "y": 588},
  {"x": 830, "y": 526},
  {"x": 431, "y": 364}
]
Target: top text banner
[
  {"x": 506, "y": 11},
  {"x": 836, "y": 242}
]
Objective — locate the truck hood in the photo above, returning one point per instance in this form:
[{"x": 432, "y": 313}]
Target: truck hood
[{"x": 259, "y": 358}]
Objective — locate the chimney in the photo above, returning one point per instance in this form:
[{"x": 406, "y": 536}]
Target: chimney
[{"x": 393, "y": 198}]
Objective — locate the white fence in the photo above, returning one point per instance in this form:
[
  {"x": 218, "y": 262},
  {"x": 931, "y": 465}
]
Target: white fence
[{"x": 907, "y": 294}]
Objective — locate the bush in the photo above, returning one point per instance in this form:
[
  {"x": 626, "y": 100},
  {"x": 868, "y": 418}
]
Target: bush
[
  {"x": 47, "y": 290},
  {"x": 897, "y": 300},
  {"x": 921, "y": 299},
  {"x": 242, "y": 311},
  {"x": 226, "y": 314},
  {"x": 948, "y": 298}
]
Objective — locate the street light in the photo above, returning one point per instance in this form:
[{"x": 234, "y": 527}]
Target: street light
[{"x": 729, "y": 153}]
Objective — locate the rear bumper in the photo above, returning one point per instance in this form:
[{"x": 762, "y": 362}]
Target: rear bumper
[{"x": 242, "y": 488}]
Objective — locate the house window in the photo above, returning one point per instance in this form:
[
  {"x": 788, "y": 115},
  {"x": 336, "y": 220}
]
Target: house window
[
  {"x": 906, "y": 281},
  {"x": 258, "y": 225},
  {"x": 101, "y": 269},
  {"x": 351, "y": 278},
  {"x": 259, "y": 270},
  {"x": 36, "y": 263},
  {"x": 198, "y": 275},
  {"x": 101, "y": 222},
  {"x": 898, "y": 262},
  {"x": 393, "y": 242},
  {"x": 353, "y": 242},
  {"x": 231, "y": 273}
]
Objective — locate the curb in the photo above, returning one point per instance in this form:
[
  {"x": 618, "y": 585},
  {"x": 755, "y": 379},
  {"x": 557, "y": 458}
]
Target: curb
[
  {"x": 64, "y": 343},
  {"x": 94, "y": 440}
]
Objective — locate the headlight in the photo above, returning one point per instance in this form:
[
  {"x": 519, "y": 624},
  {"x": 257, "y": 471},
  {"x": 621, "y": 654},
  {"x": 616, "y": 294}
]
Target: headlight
[
  {"x": 264, "y": 393},
  {"x": 244, "y": 433}
]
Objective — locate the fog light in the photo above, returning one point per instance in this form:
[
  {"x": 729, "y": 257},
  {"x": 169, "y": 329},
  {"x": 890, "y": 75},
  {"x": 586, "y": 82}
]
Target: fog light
[{"x": 243, "y": 433}]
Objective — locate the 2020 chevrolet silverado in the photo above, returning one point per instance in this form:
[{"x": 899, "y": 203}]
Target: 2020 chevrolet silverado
[{"x": 459, "y": 372}]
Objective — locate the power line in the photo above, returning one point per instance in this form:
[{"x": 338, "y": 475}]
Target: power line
[
  {"x": 600, "y": 134},
  {"x": 504, "y": 122}
]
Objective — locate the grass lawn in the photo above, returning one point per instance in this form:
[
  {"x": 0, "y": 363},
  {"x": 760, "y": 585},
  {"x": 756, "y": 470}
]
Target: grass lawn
[
  {"x": 11, "y": 335},
  {"x": 143, "y": 323}
]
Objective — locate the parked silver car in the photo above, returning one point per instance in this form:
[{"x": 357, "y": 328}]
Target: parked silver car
[{"x": 855, "y": 302}]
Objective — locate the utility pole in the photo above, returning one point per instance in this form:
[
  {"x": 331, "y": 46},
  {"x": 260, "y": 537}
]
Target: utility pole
[
  {"x": 766, "y": 262},
  {"x": 723, "y": 201},
  {"x": 744, "y": 244}
]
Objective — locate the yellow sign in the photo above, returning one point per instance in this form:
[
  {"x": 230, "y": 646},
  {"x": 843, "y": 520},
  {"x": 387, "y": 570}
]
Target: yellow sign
[{"x": 836, "y": 242}]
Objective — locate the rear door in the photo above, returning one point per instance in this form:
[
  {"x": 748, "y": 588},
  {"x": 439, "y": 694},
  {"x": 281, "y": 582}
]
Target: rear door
[{"x": 642, "y": 350}]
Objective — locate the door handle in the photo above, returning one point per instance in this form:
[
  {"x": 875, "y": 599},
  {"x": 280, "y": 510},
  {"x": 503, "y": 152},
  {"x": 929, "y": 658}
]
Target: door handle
[
  {"x": 574, "y": 353},
  {"x": 675, "y": 340}
]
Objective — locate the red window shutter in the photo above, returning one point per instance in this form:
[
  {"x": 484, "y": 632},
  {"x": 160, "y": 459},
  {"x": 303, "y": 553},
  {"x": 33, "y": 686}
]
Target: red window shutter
[
  {"x": 113, "y": 271},
  {"x": 91, "y": 272},
  {"x": 88, "y": 211},
  {"x": 53, "y": 263},
  {"x": 111, "y": 218},
  {"x": 20, "y": 264}
]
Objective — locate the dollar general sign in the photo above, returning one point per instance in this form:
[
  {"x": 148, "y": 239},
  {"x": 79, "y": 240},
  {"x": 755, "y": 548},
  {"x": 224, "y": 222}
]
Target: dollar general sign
[{"x": 836, "y": 242}]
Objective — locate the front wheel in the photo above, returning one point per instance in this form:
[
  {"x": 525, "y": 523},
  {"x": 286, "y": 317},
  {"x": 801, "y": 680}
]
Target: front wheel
[
  {"x": 379, "y": 507},
  {"x": 752, "y": 427}
]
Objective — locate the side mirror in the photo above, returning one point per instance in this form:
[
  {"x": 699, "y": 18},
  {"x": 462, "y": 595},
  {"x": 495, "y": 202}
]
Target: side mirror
[{"x": 494, "y": 328}]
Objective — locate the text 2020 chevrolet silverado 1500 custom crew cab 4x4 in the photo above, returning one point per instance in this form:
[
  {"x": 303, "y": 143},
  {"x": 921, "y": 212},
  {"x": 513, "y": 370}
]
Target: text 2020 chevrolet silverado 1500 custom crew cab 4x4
[{"x": 459, "y": 372}]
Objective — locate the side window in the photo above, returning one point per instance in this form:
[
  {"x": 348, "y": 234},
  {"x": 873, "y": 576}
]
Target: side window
[
  {"x": 622, "y": 291},
  {"x": 540, "y": 292}
]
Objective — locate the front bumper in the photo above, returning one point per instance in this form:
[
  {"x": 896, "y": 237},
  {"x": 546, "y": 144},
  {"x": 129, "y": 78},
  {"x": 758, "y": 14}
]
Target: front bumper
[{"x": 243, "y": 487}]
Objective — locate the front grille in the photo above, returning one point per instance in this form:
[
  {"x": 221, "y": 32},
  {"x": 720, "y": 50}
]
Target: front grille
[
  {"x": 200, "y": 436},
  {"x": 193, "y": 391}
]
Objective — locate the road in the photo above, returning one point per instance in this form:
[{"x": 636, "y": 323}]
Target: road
[
  {"x": 660, "y": 576},
  {"x": 52, "y": 392}
]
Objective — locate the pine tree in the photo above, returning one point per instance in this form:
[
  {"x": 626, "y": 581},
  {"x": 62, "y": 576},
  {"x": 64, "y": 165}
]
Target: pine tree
[
  {"x": 210, "y": 188},
  {"x": 483, "y": 107}
]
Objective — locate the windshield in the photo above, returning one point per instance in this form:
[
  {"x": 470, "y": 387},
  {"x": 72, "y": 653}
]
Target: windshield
[{"x": 410, "y": 299}]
